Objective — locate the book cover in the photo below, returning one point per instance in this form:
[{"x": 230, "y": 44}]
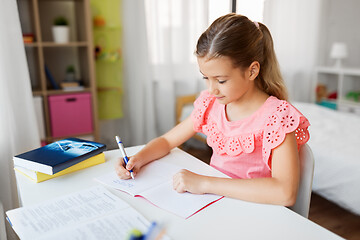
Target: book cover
[
  {"x": 51, "y": 78},
  {"x": 58, "y": 155},
  {"x": 69, "y": 84},
  {"x": 37, "y": 177}
]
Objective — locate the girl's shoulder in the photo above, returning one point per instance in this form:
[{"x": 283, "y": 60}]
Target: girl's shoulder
[
  {"x": 281, "y": 112},
  {"x": 275, "y": 107},
  {"x": 282, "y": 118}
]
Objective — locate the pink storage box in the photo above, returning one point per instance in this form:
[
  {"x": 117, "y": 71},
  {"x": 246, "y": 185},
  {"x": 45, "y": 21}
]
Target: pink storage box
[{"x": 70, "y": 114}]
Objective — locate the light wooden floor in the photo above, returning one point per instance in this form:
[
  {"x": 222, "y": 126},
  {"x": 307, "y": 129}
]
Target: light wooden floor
[{"x": 322, "y": 211}]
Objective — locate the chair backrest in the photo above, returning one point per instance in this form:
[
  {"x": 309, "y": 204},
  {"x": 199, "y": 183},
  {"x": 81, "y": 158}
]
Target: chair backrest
[
  {"x": 302, "y": 204},
  {"x": 184, "y": 106}
]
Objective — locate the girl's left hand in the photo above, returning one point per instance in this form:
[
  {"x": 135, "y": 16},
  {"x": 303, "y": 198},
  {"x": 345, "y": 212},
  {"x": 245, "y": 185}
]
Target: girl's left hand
[{"x": 186, "y": 181}]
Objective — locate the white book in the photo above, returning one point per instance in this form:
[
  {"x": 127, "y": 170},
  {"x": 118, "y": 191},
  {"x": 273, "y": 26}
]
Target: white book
[
  {"x": 154, "y": 183},
  {"x": 70, "y": 89},
  {"x": 94, "y": 213}
]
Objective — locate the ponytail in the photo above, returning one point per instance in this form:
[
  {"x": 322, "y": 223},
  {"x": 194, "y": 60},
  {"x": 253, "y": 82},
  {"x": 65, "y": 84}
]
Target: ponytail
[
  {"x": 244, "y": 41},
  {"x": 270, "y": 79}
]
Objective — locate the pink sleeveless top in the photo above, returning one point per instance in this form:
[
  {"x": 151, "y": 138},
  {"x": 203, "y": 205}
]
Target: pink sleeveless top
[{"x": 242, "y": 149}]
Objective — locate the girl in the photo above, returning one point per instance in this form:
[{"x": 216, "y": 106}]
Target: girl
[{"x": 254, "y": 133}]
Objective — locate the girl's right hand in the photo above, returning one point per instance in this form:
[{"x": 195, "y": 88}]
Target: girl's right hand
[{"x": 124, "y": 172}]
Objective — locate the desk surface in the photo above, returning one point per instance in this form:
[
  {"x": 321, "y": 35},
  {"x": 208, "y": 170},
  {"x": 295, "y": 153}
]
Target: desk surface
[{"x": 226, "y": 219}]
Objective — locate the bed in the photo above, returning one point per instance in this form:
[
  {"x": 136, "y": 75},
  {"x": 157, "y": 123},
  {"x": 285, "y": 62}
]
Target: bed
[{"x": 334, "y": 140}]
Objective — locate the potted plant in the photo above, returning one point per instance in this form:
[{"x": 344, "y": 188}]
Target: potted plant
[
  {"x": 60, "y": 30},
  {"x": 70, "y": 82},
  {"x": 70, "y": 74}
]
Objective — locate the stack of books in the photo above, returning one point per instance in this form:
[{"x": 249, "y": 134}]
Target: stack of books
[
  {"x": 28, "y": 37},
  {"x": 59, "y": 158},
  {"x": 71, "y": 86}
]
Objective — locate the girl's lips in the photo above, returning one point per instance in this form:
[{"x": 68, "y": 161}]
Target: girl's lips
[{"x": 219, "y": 97}]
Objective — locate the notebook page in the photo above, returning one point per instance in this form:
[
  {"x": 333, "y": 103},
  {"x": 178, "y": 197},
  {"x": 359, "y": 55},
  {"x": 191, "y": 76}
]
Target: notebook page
[
  {"x": 154, "y": 183},
  {"x": 150, "y": 176},
  {"x": 182, "y": 204}
]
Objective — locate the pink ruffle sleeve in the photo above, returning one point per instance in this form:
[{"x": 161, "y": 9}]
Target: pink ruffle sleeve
[
  {"x": 285, "y": 119},
  {"x": 201, "y": 105}
]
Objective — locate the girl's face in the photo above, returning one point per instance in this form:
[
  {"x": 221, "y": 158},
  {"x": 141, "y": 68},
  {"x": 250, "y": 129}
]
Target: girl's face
[{"x": 226, "y": 83}]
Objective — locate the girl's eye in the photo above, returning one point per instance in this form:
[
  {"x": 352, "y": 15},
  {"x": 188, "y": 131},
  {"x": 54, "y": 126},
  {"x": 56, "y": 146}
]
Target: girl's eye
[
  {"x": 221, "y": 81},
  {"x": 206, "y": 78}
]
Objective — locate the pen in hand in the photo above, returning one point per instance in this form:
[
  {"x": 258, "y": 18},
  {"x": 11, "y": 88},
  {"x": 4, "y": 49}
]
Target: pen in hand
[{"x": 126, "y": 159}]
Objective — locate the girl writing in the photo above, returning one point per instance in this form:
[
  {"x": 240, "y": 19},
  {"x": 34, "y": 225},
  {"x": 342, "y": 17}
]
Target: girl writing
[{"x": 253, "y": 131}]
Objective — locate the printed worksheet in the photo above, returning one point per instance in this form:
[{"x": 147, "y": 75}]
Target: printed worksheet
[{"x": 94, "y": 213}]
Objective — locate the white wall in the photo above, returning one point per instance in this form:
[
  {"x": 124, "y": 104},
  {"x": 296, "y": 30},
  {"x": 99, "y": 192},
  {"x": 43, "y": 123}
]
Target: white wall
[
  {"x": 303, "y": 32},
  {"x": 294, "y": 26},
  {"x": 340, "y": 23}
]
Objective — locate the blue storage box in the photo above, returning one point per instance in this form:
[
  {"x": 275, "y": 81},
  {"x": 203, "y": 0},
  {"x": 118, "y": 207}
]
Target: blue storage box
[{"x": 328, "y": 104}]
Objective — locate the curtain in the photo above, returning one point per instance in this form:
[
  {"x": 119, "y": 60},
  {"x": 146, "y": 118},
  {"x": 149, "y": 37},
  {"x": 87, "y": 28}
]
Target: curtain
[
  {"x": 138, "y": 124},
  {"x": 173, "y": 28},
  {"x": 295, "y": 28},
  {"x": 159, "y": 38},
  {"x": 18, "y": 128}
]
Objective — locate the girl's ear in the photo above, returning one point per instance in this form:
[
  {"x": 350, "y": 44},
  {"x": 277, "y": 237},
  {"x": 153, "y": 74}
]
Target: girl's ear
[{"x": 254, "y": 69}]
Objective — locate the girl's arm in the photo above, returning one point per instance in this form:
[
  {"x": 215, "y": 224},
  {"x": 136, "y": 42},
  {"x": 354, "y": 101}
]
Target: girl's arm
[
  {"x": 157, "y": 148},
  {"x": 280, "y": 189}
]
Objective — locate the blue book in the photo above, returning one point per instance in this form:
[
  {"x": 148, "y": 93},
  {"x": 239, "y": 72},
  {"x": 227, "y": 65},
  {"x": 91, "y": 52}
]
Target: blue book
[
  {"x": 51, "y": 78},
  {"x": 58, "y": 155}
]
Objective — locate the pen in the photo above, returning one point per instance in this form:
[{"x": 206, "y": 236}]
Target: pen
[
  {"x": 155, "y": 232},
  {"x": 122, "y": 150}
]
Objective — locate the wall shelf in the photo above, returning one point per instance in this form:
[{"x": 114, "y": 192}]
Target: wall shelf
[
  {"x": 31, "y": 44},
  {"x": 70, "y": 44},
  {"x": 342, "y": 81},
  {"x": 36, "y": 17}
]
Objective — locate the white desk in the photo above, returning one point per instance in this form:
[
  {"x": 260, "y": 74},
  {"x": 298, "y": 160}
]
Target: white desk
[{"x": 225, "y": 219}]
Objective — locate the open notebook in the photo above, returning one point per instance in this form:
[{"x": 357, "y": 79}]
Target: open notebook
[{"x": 154, "y": 183}]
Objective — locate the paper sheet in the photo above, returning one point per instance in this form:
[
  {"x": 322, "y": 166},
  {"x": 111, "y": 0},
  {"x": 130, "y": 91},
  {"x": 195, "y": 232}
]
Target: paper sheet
[
  {"x": 82, "y": 215},
  {"x": 115, "y": 226}
]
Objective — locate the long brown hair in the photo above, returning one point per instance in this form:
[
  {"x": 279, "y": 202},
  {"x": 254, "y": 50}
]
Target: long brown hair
[{"x": 244, "y": 41}]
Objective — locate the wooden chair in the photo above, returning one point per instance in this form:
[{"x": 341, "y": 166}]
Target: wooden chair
[{"x": 184, "y": 107}]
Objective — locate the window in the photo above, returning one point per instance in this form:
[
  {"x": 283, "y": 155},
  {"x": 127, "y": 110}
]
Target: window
[{"x": 253, "y": 9}]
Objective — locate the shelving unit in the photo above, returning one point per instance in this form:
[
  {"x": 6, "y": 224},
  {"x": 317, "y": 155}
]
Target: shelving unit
[
  {"x": 342, "y": 81},
  {"x": 107, "y": 33},
  {"x": 36, "y": 17}
]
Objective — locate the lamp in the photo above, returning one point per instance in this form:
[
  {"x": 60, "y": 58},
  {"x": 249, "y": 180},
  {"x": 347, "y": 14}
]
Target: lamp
[{"x": 338, "y": 52}]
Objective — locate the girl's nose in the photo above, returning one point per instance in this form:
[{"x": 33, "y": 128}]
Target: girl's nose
[{"x": 213, "y": 88}]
